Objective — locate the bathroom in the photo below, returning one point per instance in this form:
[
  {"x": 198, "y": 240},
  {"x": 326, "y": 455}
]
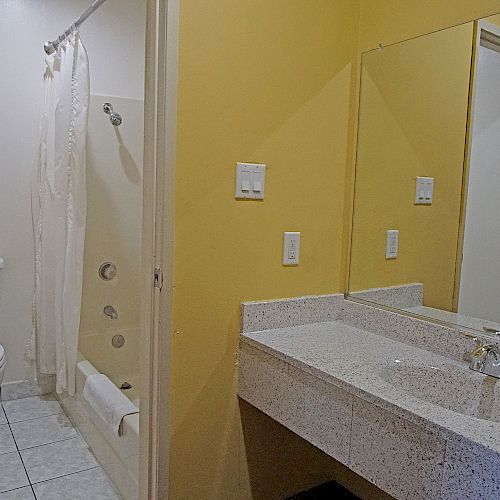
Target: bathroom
[{"x": 246, "y": 264}]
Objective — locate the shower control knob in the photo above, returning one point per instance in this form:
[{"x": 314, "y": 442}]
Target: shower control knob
[
  {"x": 107, "y": 271},
  {"x": 119, "y": 341}
]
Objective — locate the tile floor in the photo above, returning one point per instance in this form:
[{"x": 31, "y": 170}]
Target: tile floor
[{"x": 42, "y": 456}]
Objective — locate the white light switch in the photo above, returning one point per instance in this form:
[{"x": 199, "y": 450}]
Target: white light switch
[
  {"x": 424, "y": 190},
  {"x": 291, "y": 249},
  {"x": 245, "y": 182},
  {"x": 392, "y": 242},
  {"x": 250, "y": 181}
]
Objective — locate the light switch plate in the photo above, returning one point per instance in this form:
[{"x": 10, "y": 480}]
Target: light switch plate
[
  {"x": 392, "y": 243},
  {"x": 291, "y": 248},
  {"x": 250, "y": 181},
  {"x": 424, "y": 190}
]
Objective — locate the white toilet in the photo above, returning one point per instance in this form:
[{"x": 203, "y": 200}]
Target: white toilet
[{"x": 2, "y": 363}]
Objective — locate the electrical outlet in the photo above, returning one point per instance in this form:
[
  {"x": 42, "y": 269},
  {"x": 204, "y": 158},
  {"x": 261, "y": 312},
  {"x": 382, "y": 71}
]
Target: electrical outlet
[{"x": 291, "y": 248}]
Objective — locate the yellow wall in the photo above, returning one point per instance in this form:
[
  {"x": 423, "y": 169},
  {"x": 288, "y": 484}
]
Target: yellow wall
[
  {"x": 266, "y": 82},
  {"x": 494, "y": 19},
  {"x": 263, "y": 81},
  {"x": 390, "y": 21},
  {"x": 413, "y": 113}
]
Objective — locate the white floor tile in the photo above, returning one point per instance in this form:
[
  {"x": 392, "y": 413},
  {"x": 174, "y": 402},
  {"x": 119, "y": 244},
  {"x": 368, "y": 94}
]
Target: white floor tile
[
  {"x": 42, "y": 431},
  {"x": 19, "y": 410},
  {"x": 92, "y": 484},
  {"x": 20, "y": 494},
  {"x": 57, "y": 459},
  {"x": 7, "y": 444},
  {"x": 12, "y": 473},
  {"x": 59, "y": 463}
]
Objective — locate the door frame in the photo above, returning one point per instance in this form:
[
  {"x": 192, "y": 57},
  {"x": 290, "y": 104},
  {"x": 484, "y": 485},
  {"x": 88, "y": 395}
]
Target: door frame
[
  {"x": 160, "y": 124},
  {"x": 479, "y": 26}
]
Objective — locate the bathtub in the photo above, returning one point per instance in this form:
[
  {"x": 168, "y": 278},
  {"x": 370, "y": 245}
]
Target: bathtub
[{"x": 118, "y": 455}]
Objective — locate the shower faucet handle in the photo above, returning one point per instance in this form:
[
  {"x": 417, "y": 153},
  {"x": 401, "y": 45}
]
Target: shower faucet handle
[{"x": 110, "y": 312}]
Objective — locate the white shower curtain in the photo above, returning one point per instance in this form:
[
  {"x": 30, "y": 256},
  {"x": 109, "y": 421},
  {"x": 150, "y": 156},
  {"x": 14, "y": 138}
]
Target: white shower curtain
[{"x": 59, "y": 213}]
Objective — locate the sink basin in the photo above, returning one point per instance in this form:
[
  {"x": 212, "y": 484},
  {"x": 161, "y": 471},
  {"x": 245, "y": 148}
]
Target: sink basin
[{"x": 447, "y": 385}]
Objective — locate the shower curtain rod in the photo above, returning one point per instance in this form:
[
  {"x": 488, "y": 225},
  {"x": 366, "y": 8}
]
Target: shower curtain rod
[{"x": 51, "y": 47}]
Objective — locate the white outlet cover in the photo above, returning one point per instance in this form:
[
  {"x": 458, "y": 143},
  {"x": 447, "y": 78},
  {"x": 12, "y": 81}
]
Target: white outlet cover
[
  {"x": 291, "y": 248},
  {"x": 392, "y": 243}
]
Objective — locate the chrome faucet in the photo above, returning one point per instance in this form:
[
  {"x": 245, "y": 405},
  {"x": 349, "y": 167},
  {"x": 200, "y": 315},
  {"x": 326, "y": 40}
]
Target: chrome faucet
[
  {"x": 485, "y": 358},
  {"x": 110, "y": 312}
]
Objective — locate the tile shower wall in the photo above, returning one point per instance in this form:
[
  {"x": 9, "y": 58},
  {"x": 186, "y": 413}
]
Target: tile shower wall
[{"x": 114, "y": 37}]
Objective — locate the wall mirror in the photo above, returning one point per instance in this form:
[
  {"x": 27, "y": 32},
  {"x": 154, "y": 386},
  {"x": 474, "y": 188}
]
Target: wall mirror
[{"x": 426, "y": 220}]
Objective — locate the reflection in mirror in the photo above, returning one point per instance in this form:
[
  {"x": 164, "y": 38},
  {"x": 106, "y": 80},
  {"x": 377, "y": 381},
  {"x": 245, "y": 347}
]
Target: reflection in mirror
[{"x": 426, "y": 223}]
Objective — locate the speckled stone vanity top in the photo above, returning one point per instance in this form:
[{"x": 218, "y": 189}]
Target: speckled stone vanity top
[
  {"x": 386, "y": 394},
  {"x": 434, "y": 391}
]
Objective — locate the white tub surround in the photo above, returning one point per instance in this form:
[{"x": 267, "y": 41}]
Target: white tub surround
[
  {"x": 118, "y": 455},
  {"x": 400, "y": 410}
]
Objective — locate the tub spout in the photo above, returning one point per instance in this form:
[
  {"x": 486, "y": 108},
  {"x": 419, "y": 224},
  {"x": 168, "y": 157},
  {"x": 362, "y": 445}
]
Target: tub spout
[{"x": 110, "y": 312}]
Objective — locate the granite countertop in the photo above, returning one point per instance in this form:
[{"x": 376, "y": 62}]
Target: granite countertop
[{"x": 380, "y": 370}]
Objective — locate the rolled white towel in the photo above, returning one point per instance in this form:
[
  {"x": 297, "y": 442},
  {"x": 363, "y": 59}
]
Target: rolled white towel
[{"x": 108, "y": 401}]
